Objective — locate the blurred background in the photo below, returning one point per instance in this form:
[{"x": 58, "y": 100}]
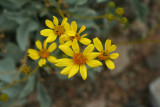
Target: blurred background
[{"x": 134, "y": 82}]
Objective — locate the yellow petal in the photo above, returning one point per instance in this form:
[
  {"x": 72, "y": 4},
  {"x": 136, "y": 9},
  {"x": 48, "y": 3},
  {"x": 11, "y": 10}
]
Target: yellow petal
[
  {"x": 42, "y": 62},
  {"x": 47, "y": 32},
  {"x": 98, "y": 44},
  {"x": 107, "y": 44},
  {"x": 51, "y": 38},
  {"x": 70, "y": 33},
  {"x": 38, "y": 44},
  {"x": 52, "y": 59},
  {"x": 82, "y": 29},
  {"x": 32, "y": 51},
  {"x": 85, "y": 41},
  {"x": 66, "y": 70},
  {"x": 68, "y": 43},
  {"x": 114, "y": 56},
  {"x": 110, "y": 64},
  {"x": 52, "y": 47},
  {"x": 88, "y": 49},
  {"x": 93, "y": 63},
  {"x": 84, "y": 35},
  {"x": 73, "y": 70},
  {"x": 67, "y": 26},
  {"x": 112, "y": 48},
  {"x": 45, "y": 44},
  {"x": 55, "y": 20},
  {"x": 64, "y": 21},
  {"x": 74, "y": 26},
  {"x": 93, "y": 55},
  {"x": 83, "y": 71},
  {"x": 64, "y": 62},
  {"x": 33, "y": 56},
  {"x": 63, "y": 38},
  {"x": 75, "y": 46},
  {"x": 49, "y": 24},
  {"x": 67, "y": 50}
]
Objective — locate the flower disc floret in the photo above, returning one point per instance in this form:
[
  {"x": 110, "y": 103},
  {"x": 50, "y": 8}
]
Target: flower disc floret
[
  {"x": 44, "y": 53},
  {"x": 79, "y": 59},
  {"x": 104, "y": 55},
  {"x": 59, "y": 30},
  {"x": 77, "y": 36}
]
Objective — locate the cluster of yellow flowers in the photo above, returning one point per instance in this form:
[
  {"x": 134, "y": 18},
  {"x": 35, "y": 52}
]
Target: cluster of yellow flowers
[{"x": 69, "y": 39}]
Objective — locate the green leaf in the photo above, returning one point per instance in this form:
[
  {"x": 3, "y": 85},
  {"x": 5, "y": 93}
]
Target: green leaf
[
  {"x": 13, "y": 4},
  {"x": 81, "y": 2},
  {"x": 53, "y": 2},
  {"x": 7, "y": 70},
  {"x": 19, "y": 17},
  {"x": 13, "y": 51},
  {"x": 141, "y": 9},
  {"x": 100, "y": 1},
  {"x": 29, "y": 87},
  {"x": 7, "y": 24},
  {"x": 24, "y": 31},
  {"x": 71, "y": 2},
  {"x": 43, "y": 97}
]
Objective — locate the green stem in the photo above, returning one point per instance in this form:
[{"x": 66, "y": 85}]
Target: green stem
[
  {"x": 86, "y": 17},
  {"x": 14, "y": 83},
  {"x": 59, "y": 10}
]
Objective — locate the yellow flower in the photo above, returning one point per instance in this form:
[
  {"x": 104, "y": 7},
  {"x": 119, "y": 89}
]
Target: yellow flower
[
  {"x": 43, "y": 53},
  {"x": 105, "y": 54},
  {"x": 55, "y": 30},
  {"x": 72, "y": 34},
  {"x": 78, "y": 60}
]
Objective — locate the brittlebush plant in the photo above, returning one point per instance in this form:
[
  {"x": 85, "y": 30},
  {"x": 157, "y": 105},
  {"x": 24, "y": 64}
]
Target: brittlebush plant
[{"x": 69, "y": 38}]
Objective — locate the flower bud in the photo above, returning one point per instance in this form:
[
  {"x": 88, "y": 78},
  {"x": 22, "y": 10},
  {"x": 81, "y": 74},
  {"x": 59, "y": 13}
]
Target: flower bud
[
  {"x": 111, "y": 4},
  {"x": 120, "y": 11},
  {"x": 4, "y": 97},
  {"x": 110, "y": 17},
  {"x": 123, "y": 20}
]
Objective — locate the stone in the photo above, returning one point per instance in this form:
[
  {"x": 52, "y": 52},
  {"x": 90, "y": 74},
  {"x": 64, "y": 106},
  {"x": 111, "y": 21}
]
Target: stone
[{"x": 154, "y": 88}]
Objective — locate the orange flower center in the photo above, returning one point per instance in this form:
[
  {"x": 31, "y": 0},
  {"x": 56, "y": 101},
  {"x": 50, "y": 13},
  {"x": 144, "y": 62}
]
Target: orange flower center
[
  {"x": 104, "y": 55},
  {"x": 77, "y": 36},
  {"x": 59, "y": 30},
  {"x": 44, "y": 53},
  {"x": 79, "y": 59}
]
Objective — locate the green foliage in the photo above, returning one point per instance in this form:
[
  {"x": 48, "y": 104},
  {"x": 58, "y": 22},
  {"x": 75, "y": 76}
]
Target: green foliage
[
  {"x": 8, "y": 70},
  {"x": 141, "y": 9},
  {"x": 24, "y": 31}
]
